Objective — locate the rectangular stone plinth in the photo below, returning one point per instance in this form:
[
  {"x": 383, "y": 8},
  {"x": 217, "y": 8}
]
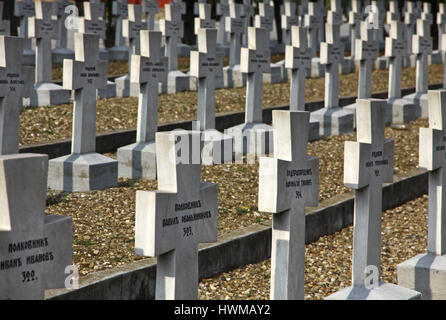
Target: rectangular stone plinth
[
  {"x": 333, "y": 121},
  {"x": 137, "y": 161},
  {"x": 419, "y": 99},
  {"x": 385, "y": 291}
]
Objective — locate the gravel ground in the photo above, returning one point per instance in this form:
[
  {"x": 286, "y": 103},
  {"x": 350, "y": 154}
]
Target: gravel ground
[
  {"x": 104, "y": 219},
  {"x": 42, "y": 124},
  {"x": 328, "y": 260}
]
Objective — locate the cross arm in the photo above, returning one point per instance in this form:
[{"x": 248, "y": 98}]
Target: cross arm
[
  {"x": 356, "y": 170},
  {"x": 432, "y": 149},
  {"x": 395, "y": 48},
  {"x": 331, "y": 53},
  {"x": 296, "y": 58},
  {"x": 421, "y": 44},
  {"x": 37, "y": 28},
  {"x": 366, "y": 49},
  {"x": 143, "y": 69},
  {"x": 252, "y": 61}
]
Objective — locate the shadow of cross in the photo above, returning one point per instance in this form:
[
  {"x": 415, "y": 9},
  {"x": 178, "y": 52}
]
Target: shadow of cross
[
  {"x": 36, "y": 248},
  {"x": 85, "y": 74},
  {"x": 172, "y": 221},
  {"x": 44, "y": 29},
  {"x": 172, "y": 29},
  {"x": 150, "y": 7},
  {"x": 5, "y": 26},
  {"x": 16, "y": 81},
  {"x": 206, "y": 65},
  {"x": 433, "y": 158},
  {"x": 91, "y": 22},
  {"x": 367, "y": 164},
  {"x": 287, "y": 183},
  {"x": 203, "y": 21}
]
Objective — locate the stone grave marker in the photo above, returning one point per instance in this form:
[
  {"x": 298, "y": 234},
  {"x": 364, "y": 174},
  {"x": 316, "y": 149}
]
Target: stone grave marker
[
  {"x": 84, "y": 169},
  {"x": 130, "y": 30},
  {"x": 16, "y": 81},
  {"x": 185, "y": 215},
  {"x": 332, "y": 118},
  {"x": 354, "y": 20},
  {"x": 367, "y": 164},
  {"x": 206, "y": 66},
  {"x": 410, "y": 22},
  {"x": 197, "y": 6},
  {"x": 289, "y": 19},
  {"x": 253, "y": 135},
  {"x": 138, "y": 160},
  {"x": 24, "y": 9},
  {"x": 93, "y": 23},
  {"x": 222, "y": 10},
  {"x": 441, "y": 23},
  {"x": 172, "y": 29},
  {"x": 36, "y": 248},
  {"x": 235, "y": 26},
  {"x": 150, "y": 7},
  {"x": 61, "y": 51},
  {"x": 297, "y": 60},
  {"x": 203, "y": 21},
  {"x": 43, "y": 28},
  {"x": 5, "y": 26},
  {"x": 422, "y": 47},
  {"x": 398, "y": 110},
  {"x": 120, "y": 50},
  {"x": 312, "y": 20},
  {"x": 394, "y": 12},
  {"x": 367, "y": 51},
  {"x": 335, "y": 14},
  {"x": 426, "y": 273},
  {"x": 248, "y": 13},
  {"x": 382, "y": 62},
  {"x": 288, "y": 183}
]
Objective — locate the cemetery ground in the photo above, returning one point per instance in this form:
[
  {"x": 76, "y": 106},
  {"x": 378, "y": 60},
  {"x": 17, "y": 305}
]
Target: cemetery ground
[{"x": 103, "y": 221}]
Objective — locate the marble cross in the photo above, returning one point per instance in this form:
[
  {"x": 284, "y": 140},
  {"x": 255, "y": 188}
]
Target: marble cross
[
  {"x": 367, "y": 51},
  {"x": 335, "y": 14},
  {"x": 265, "y": 18},
  {"x": 255, "y": 60},
  {"x": 394, "y": 11},
  {"x": 43, "y": 28},
  {"x": 441, "y": 23},
  {"x": 61, "y": 19},
  {"x": 235, "y": 26},
  {"x": 247, "y": 13},
  {"x": 410, "y": 21},
  {"x": 396, "y": 50},
  {"x": 222, "y": 11},
  {"x": 92, "y": 21},
  {"x": 312, "y": 20},
  {"x": 354, "y": 20},
  {"x": 332, "y": 53},
  {"x": 172, "y": 29},
  {"x": 36, "y": 248},
  {"x": 85, "y": 74},
  {"x": 16, "y": 81},
  {"x": 432, "y": 158},
  {"x": 367, "y": 164},
  {"x": 289, "y": 19},
  {"x": 298, "y": 59},
  {"x": 205, "y": 65},
  {"x": 24, "y": 9},
  {"x": 288, "y": 183},
  {"x": 150, "y": 7},
  {"x": 131, "y": 28},
  {"x": 422, "y": 47},
  {"x": 172, "y": 221},
  {"x": 120, "y": 12},
  {"x": 5, "y": 26},
  {"x": 203, "y": 21}
]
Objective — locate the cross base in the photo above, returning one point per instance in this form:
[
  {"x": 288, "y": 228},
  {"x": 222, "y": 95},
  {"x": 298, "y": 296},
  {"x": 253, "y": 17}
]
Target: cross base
[
  {"x": 401, "y": 111},
  {"x": 59, "y": 54},
  {"x": 419, "y": 99},
  {"x": 223, "y": 49},
  {"x": 233, "y": 78},
  {"x": 425, "y": 273},
  {"x": 118, "y": 53},
  {"x": 275, "y": 75},
  {"x": 410, "y": 61},
  {"x": 252, "y": 138},
  {"x": 29, "y": 57},
  {"x": 82, "y": 172},
  {"x": 184, "y": 50},
  {"x": 177, "y": 81},
  {"x": 435, "y": 58},
  {"x": 217, "y": 147},
  {"x": 382, "y": 63},
  {"x": 317, "y": 69},
  {"x": 137, "y": 160},
  {"x": 286, "y": 74},
  {"x": 385, "y": 291},
  {"x": 103, "y": 54},
  {"x": 126, "y": 89},
  {"x": 110, "y": 92},
  {"x": 49, "y": 94},
  {"x": 333, "y": 121}
]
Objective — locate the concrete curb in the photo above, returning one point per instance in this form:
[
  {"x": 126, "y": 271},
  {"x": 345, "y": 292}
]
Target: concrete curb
[
  {"x": 245, "y": 246},
  {"x": 110, "y": 142}
]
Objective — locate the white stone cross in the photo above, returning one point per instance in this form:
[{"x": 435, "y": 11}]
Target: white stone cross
[
  {"x": 422, "y": 47},
  {"x": 131, "y": 28},
  {"x": 396, "y": 50},
  {"x": 235, "y": 26},
  {"x": 181, "y": 5},
  {"x": 332, "y": 53},
  {"x": 119, "y": 10},
  {"x": 5, "y": 26},
  {"x": 172, "y": 29},
  {"x": 433, "y": 158},
  {"x": 265, "y": 18},
  {"x": 24, "y": 9},
  {"x": 203, "y": 21},
  {"x": 367, "y": 51},
  {"x": 205, "y": 65},
  {"x": 171, "y": 221},
  {"x": 16, "y": 81},
  {"x": 335, "y": 15},
  {"x": 426, "y": 14},
  {"x": 287, "y": 184},
  {"x": 222, "y": 11},
  {"x": 85, "y": 74},
  {"x": 298, "y": 59},
  {"x": 441, "y": 23},
  {"x": 35, "y": 248},
  {"x": 196, "y": 6},
  {"x": 255, "y": 60},
  {"x": 354, "y": 20},
  {"x": 92, "y": 21},
  {"x": 394, "y": 11},
  {"x": 61, "y": 20},
  {"x": 150, "y": 7},
  {"x": 43, "y": 28},
  {"x": 312, "y": 20},
  {"x": 247, "y": 13},
  {"x": 149, "y": 68},
  {"x": 289, "y": 19},
  {"x": 410, "y": 21},
  {"x": 367, "y": 164}
]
